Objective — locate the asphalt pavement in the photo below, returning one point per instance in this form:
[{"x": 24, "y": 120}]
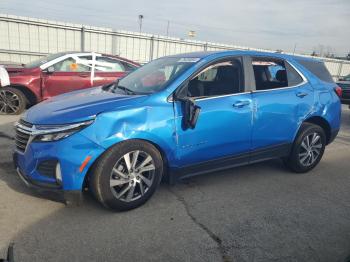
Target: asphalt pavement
[{"x": 260, "y": 212}]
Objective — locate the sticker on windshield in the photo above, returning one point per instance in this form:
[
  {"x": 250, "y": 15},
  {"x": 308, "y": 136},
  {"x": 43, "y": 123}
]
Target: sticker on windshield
[{"x": 189, "y": 60}]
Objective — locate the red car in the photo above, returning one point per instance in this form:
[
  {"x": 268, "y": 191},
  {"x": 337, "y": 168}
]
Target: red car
[{"x": 56, "y": 74}]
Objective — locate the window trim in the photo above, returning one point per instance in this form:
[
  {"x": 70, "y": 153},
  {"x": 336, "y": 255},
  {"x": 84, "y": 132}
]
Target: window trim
[
  {"x": 218, "y": 60},
  {"x": 282, "y": 88}
]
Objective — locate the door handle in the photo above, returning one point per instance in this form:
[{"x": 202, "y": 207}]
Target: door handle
[
  {"x": 240, "y": 104},
  {"x": 301, "y": 94}
]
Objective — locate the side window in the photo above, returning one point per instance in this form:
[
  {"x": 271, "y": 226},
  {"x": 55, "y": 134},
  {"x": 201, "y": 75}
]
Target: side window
[
  {"x": 222, "y": 78},
  {"x": 293, "y": 76},
  {"x": 317, "y": 68},
  {"x": 71, "y": 65},
  {"x": 106, "y": 64},
  {"x": 128, "y": 67},
  {"x": 272, "y": 73}
]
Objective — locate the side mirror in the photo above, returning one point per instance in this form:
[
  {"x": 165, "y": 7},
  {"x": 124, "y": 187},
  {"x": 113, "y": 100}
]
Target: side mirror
[
  {"x": 191, "y": 113},
  {"x": 50, "y": 70},
  {"x": 190, "y": 110}
]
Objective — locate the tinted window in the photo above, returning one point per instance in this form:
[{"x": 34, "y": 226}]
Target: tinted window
[
  {"x": 317, "y": 68},
  {"x": 293, "y": 76},
  {"x": 272, "y": 73},
  {"x": 223, "y": 78},
  {"x": 269, "y": 73}
]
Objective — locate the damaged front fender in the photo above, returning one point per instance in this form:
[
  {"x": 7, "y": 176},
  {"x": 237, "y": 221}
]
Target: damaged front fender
[{"x": 151, "y": 123}]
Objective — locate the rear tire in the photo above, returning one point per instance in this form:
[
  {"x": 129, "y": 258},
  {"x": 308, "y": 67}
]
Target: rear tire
[
  {"x": 307, "y": 149},
  {"x": 127, "y": 175},
  {"x": 12, "y": 101}
]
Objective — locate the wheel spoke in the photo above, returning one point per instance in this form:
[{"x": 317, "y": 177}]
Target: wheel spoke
[
  {"x": 131, "y": 193},
  {"x": 304, "y": 158},
  {"x": 315, "y": 138},
  {"x": 14, "y": 108},
  {"x": 147, "y": 168},
  {"x": 134, "y": 158},
  {"x": 307, "y": 141},
  {"x": 147, "y": 181},
  {"x": 312, "y": 158},
  {"x": 142, "y": 190},
  {"x": 317, "y": 151},
  {"x": 117, "y": 182},
  {"x": 304, "y": 145},
  {"x": 146, "y": 161},
  {"x": 319, "y": 146},
  {"x": 119, "y": 173},
  {"x": 127, "y": 161},
  {"x": 126, "y": 189}
]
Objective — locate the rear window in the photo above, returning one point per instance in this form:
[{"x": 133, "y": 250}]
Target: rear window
[{"x": 318, "y": 69}]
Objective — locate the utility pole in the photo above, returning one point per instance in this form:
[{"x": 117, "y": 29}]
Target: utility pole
[
  {"x": 140, "y": 22},
  {"x": 167, "y": 35},
  {"x": 167, "y": 29}
]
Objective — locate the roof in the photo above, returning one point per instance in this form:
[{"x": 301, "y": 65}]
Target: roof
[{"x": 204, "y": 54}]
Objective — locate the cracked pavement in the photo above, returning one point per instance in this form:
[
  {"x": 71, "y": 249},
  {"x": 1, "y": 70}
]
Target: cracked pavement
[{"x": 260, "y": 212}]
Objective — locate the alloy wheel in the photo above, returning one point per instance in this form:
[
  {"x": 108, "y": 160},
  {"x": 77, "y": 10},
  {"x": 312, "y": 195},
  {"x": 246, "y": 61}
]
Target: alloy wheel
[
  {"x": 310, "y": 149},
  {"x": 132, "y": 176},
  {"x": 9, "y": 102}
]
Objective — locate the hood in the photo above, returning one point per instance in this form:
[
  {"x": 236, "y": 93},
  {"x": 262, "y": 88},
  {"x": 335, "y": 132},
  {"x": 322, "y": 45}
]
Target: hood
[{"x": 78, "y": 106}]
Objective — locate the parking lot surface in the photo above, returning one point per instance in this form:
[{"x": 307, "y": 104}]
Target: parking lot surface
[{"x": 260, "y": 212}]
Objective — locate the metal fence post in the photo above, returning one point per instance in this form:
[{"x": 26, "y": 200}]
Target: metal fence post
[
  {"x": 151, "y": 49},
  {"x": 340, "y": 67},
  {"x": 114, "y": 43},
  {"x": 205, "y": 47},
  {"x": 82, "y": 39}
]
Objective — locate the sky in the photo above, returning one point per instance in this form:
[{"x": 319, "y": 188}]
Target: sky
[{"x": 321, "y": 25}]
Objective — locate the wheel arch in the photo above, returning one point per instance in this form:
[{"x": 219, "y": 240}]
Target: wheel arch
[
  {"x": 31, "y": 97},
  {"x": 157, "y": 146},
  {"x": 323, "y": 123}
]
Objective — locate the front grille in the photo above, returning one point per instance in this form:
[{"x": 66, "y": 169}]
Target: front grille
[{"x": 22, "y": 135}]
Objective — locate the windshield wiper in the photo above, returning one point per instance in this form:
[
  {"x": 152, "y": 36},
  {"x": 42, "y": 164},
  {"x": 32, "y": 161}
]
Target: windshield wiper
[
  {"x": 113, "y": 86},
  {"x": 127, "y": 90}
]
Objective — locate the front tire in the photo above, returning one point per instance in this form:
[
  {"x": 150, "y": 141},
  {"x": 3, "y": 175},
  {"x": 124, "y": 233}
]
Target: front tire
[
  {"x": 308, "y": 148},
  {"x": 127, "y": 175},
  {"x": 12, "y": 101}
]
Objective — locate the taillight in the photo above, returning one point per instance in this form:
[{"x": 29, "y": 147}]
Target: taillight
[{"x": 338, "y": 91}]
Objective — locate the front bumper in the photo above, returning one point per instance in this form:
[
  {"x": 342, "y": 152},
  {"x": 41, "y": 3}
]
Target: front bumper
[
  {"x": 69, "y": 153},
  {"x": 69, "y": 197}
]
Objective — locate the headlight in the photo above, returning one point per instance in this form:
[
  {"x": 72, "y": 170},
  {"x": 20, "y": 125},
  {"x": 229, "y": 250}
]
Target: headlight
[{"x": 56, "y": 132}]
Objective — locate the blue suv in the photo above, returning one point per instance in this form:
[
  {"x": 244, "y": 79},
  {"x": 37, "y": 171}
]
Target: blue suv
[{"x": 175, "y": 117}]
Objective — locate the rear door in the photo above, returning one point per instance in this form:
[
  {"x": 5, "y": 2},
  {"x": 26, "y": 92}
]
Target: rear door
[
  {"x": 108, "y": 69},
  {"x": 70, "y": 74},
  {"x": 281, "y": 100}
]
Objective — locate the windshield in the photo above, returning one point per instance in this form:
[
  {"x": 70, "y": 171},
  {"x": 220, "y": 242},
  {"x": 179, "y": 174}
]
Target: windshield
[
  {"x": 42, "y": 60},
  {"x": 156, "y": 75}
]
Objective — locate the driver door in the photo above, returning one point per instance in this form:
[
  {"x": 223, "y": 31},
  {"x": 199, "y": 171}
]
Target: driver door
[{"x": 223, "y": 129}]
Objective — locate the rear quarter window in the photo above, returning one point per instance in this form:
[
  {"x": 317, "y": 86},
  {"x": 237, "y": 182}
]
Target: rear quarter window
[{"x": 318, "y": 69}]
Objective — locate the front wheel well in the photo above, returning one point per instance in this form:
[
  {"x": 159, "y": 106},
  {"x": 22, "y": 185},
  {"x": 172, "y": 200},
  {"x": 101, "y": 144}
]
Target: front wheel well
[{"x": 323, "y": 123}]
